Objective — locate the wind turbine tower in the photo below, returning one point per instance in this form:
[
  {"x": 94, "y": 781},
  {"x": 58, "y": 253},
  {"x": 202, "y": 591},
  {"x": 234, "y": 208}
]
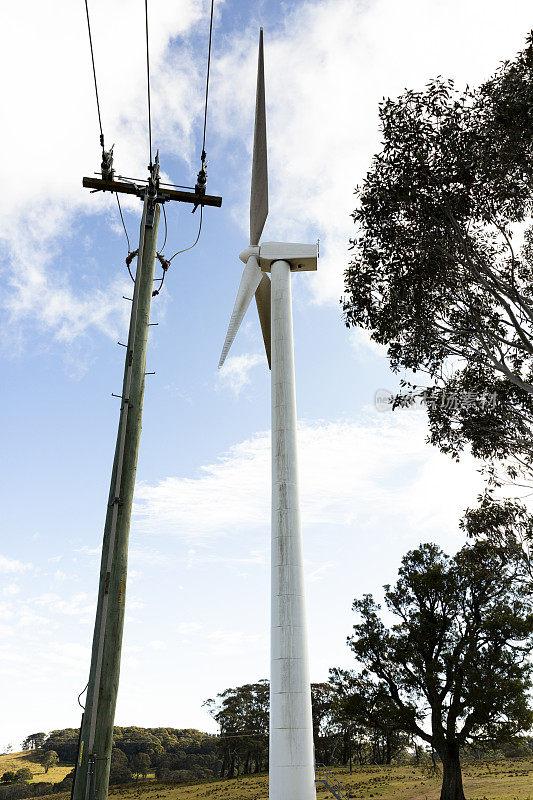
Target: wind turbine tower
[{"x": 291, "y": 752}]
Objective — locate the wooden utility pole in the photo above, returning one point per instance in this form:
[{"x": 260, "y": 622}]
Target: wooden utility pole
[{"x": 91, "y": 778}]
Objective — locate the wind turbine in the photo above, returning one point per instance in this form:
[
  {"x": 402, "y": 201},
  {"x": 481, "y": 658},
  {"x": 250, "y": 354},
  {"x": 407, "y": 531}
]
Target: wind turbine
[{"x": 291, "y": 753}]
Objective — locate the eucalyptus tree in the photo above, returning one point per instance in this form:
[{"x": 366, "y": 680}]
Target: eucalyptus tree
[
  {"x": 442, "y": 267},
  {"x": 455, "y": 662}
]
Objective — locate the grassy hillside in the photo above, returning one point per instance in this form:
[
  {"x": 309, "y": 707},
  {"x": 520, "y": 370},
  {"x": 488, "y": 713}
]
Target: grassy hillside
[
  {"x": 498, "y": 780},
  {"x": 30, "y": 759},
  {"x": 503, "y": 780}
]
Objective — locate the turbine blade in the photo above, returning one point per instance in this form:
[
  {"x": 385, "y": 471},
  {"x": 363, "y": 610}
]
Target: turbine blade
[
  {"x": 259, "y": 191},
  {"x": 250, "y": 280},
  {"x": 262, "y": 298}
]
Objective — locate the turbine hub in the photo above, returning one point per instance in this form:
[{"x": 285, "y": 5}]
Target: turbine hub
[{"x": 250, "y": 251}]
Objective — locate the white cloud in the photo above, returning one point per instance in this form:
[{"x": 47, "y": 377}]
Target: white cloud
[
  {"x": 11, "y": 589},
  {"x": 254, "y": 557},
  {"x": 317, "y": 574},
  {"x": 377, "y": 467},
  {"x": 157, "y": 644},
  {"x": 323, "y": 87},
  {"x": 235, "y": 374},
  {"x": 223, "y": 641},
  {"x": 364, "y": 347},
  {"x": 147, "y": 557},
  {"x": 186, "y": 628},
  {"x": 89, "y": 551},
  {"x": 6, "y": 611},
  {"x": 27, "y": 618},
  {"x": 77, "y": 605},
  {"x": 51, "y": 135},
  {"x": 12, "y": 565},
  {"x": 69, "y": 657}
]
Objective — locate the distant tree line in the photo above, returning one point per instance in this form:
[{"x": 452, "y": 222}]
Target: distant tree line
[
  {"x": 169, "y": 753},
  {"x": 341, "y": 735},
  {"x": 172, "y": 755}
]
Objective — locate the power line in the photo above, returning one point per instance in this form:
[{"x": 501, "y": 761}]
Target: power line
[
  {"x": 166, "y": 227},
  {"x": 148, "y": 83},
  {"x": 123, "y": 223},
  {"x": 186, "y": 249},
  {"x": 94, "y": 74},
  {"x": 195, "y": 241},
  {"x": 207, "y": 77},
  {"x": 100, "y": 118}
]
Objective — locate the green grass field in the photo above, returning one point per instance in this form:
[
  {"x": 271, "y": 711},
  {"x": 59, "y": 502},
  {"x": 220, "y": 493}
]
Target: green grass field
[
  {"x": 496, "y": 780},
  {"x": 15, "y": 761}
]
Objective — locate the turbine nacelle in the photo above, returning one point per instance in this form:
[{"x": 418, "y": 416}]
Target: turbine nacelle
[{"x": 301, "y": 257}]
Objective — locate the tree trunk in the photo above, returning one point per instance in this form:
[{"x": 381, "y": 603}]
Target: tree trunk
[{"x": 452, "y": 779}]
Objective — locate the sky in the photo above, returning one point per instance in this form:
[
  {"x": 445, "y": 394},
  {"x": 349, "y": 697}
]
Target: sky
[{"x": 371, "y": 487}]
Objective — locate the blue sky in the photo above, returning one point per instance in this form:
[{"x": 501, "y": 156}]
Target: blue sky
[{"x": 371, "y": 488}]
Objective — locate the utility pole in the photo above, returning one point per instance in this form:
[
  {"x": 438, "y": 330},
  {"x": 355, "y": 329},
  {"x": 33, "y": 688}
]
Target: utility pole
[{"x": 91, "y": 777}]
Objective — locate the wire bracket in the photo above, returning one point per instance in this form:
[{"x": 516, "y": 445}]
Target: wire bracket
[
  {"x": 108, "y": 173},
  {"x": 152, "y": 191}
]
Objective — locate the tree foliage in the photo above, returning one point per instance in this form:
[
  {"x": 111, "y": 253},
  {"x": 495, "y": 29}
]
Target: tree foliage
[
  {"x": 436, "y": 275},
  {"x": 165, "y": 751},
  {"x": 49, "y": 759},
  {"x": 507, "y": 524},
  {"x": 23, "y": 774},
  {"x": 457, "y": 653},
  {"x": 367, "y": 718},
  {"x": 34, "y": 741},
  {"x": 339, "y": 738},
  {"x": 141, "y": 764},
  {"x": 242, "y": 715}
]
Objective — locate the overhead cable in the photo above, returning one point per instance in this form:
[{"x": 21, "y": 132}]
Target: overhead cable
[
  {"x": 148, "y": 84},
  {"x": 166, "y": 227},
  {"x": 207, "y": 77},
  {"x": 94, "y": 74},
  {"x": 186, "y": 249},
  {"x": 195, "y": 241},
  {"x": 123, "y": 223}
]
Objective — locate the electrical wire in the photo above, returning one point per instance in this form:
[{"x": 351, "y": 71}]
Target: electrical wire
[
  {"x": 102, "y": 139},
  {"x": 94, "y": 74},
  {"x": 166, "y": 263},
  {"x": 166, "y": 228},
  {"x": 186, "y": 249},
  {"x": 123, "y": 223},
  {"x": 148, "y": 84},
  {"x": 207, "y": 77},
  {"x": 129, "y": 259},
  {"x": 80, "y": 694},
  {"x": 144, "y": 180}
]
